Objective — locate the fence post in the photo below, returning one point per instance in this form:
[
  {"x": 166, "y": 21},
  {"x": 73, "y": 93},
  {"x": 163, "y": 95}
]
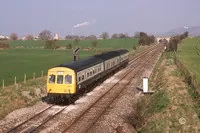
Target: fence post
[
  {"x": 42, "y": 74},
  {"x": 15, "y": 82},
  {"x": 25, "y": 78},
  {"x": 34, "y": 75},
  {"x": 3, "y": 83}
]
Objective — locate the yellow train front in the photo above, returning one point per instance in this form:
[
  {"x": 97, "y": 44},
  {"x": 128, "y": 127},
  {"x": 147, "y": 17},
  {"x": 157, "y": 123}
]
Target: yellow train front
[
  {"x": 61, "y": 80},
  {"x": 65, "y": 80}
]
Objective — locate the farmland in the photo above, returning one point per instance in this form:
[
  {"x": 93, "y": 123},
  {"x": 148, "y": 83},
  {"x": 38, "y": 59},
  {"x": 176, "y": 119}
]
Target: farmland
[
  {"x": 33, "y": 58},
  {"x": 189, "y": 53},
  {"x": 102, "y": 44}
]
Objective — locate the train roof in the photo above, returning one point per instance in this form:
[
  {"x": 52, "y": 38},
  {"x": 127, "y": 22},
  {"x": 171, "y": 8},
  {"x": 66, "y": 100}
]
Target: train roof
[
  {"x": 93, "y": 60},
  {"x": 82, "y": 64},
  {"x": 111, "y": 54}
]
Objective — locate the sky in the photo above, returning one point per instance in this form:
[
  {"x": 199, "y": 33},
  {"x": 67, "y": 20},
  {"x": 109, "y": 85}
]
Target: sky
[{"x": 86, "y": 17}]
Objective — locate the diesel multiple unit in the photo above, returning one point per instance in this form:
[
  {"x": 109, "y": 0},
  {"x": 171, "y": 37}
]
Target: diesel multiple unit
[{"x": 69, "y": 79}]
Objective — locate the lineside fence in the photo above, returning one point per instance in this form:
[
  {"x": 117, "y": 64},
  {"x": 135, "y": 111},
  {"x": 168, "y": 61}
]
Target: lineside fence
[
  {"x": 22, "y": 80},
  {"x": 189, "y": 77}
]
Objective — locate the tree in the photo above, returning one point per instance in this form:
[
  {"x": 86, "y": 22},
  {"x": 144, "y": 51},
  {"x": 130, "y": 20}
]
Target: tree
[
  {"x": 114, "y": 36},
  {"x": 121, "y": 35},
  {"x": 29, "y": 37},
  {"x": 105, "y": 35},
  {"x": 143, "y": 34},
  {"x": 145, "y": 39},
  {"x": 13, "y": 36},
  {"x": 45, "y": 35}
]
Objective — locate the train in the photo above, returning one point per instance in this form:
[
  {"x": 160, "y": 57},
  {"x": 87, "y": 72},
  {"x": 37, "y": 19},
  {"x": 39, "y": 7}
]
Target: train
[{"x": 66, "y": 80}]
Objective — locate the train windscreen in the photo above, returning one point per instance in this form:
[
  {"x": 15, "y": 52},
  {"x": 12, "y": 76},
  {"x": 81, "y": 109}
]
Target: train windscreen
[
  {"x": 59, "y": 79},
  {"x": 68, "y": 79},
  {"x": 52, "y": 78}
]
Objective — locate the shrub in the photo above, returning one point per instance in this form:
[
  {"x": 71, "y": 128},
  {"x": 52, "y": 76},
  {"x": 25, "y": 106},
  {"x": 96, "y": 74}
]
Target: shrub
[
  {"x": 69, "y": 46},
  {"x": 94, "y": 43},
  {"x": 51, "y": 44},
  {"x": 4, "y": 45},
  {"x": 134, "y": 47}
]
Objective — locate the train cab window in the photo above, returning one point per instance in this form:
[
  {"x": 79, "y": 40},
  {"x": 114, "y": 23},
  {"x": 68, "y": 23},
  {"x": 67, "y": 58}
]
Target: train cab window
[
  {"x": 68, "y": 79},
  {"x": 52, "y": 78},
  {"x": 60, "y": 79}
]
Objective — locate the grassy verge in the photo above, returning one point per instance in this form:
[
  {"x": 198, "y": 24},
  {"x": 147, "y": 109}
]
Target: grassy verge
[
  {"x": 21, "y": 95},
  {"x": 189, "y": 55},
  {"x": 173, "y": 107}
]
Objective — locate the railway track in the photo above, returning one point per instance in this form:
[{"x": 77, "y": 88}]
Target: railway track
[
  {"x": 87, "y": 119},
  {"x": 37, "y": 122},
  {"x": 70, "y": 123}
]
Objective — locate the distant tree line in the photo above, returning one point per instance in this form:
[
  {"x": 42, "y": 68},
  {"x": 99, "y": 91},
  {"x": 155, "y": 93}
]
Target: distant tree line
[
  {"x": 145, "y": 39},
  {"x": 175, "y": 40},
  {"x": 47, "y": 35}
]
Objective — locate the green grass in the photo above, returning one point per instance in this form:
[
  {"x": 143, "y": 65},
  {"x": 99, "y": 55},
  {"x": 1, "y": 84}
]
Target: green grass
[
  {"x": 17, "y": 62},
  {"x": 102, "y": 44},
  {"x": 189, "y": 53}
]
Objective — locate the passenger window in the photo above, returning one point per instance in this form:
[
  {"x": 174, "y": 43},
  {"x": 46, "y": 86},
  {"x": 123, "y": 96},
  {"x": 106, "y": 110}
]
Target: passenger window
[
  {"x": 60, "y": 79},
  {"x": 82, "y": 77},
  {"x": 79, "y": 78},
  {"x": 52, "y": 78},
  {"x": 68, "y": 79},
  {"x": 90, "y": 73},
  {"x": 93, "y": 72}
]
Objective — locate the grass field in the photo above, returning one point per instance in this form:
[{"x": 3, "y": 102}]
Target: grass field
[
  {"x": 102, "y": 44},
  {"x": 189, "y": 53},
  {"x": 17, "y": 62}
]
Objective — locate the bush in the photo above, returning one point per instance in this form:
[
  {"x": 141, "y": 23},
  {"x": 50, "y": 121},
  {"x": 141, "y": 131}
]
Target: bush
[
  {"x": 94, "y": 43},
  {"x": 4, "y": 45},
  {"x": 69, "y": 46},
  {"x": 51, "y": 44},
  {"x": 134, "y": 47}
]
